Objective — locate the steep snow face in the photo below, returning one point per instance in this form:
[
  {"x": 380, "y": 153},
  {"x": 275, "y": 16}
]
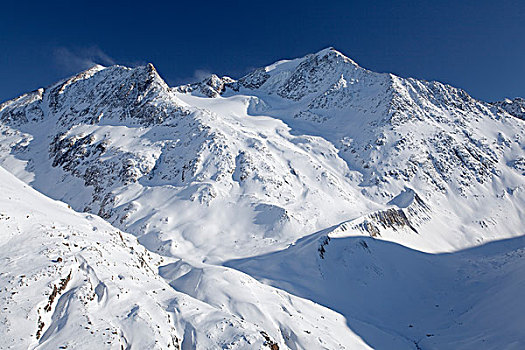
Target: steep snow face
[
  {"x": 222, "y": 170},
  {"x": 72, "y": 280}
]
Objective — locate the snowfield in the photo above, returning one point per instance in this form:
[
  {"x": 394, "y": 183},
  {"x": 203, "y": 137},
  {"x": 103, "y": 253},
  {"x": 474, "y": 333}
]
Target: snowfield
[{"x": 312, "y": 204}]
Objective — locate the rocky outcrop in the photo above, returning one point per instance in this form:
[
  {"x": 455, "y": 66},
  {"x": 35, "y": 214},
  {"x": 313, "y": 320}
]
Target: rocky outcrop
[
  {"x": 211, "y": 87},
  {"x": 408, "y": 212},
  {"x": 515, "y": 107}
]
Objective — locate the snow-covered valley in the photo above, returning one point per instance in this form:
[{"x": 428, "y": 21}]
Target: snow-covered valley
[{"x": 312, "y": 204}]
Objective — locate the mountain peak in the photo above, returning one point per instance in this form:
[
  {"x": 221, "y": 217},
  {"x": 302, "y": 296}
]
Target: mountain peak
[
  {"x": 309, "y": 75},
  {"x": 332, "y": 52},
  {"x": 152, "y": 71},
  {"x": 211, "y": 86}
]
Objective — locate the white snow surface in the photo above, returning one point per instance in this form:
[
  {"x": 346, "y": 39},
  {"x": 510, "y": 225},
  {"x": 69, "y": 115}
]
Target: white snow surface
[
  {"x": 312, "y": 204},
  {"x": 71, "y": 280}
]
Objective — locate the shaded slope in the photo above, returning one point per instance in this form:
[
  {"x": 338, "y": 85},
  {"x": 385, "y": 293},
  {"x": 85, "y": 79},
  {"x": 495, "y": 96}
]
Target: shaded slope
[{"x": 464, "y": 300}]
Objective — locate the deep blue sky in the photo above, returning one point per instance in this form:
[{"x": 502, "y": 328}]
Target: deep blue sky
[{"x": 475, "y": 45}]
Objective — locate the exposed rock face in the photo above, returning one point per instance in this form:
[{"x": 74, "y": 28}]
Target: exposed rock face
[
  {"x": 515, "y": 107},
  {"x": 213, "y": 86},
  {"x": 409, "y": 213},
  {"x": 23, "y": 109},
  {"x": 314, "y": 74},
  {"x": 408, "y": 216},
  {"x": 255, "y": 80}
]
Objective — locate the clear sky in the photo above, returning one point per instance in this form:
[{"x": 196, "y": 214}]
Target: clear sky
[{"x": 476, "y": 45}]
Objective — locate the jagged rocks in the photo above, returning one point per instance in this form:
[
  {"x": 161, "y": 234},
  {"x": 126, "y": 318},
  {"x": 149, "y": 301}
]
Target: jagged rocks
[
  {"x": 211, "y": 87},
  {"x": 269, "y": 342},
  {"x": 515, "y": 107},
  {"x": 255, "y": 80}
]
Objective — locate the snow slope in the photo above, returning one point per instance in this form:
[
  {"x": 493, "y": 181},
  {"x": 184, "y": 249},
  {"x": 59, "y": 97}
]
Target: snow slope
[
  {"x": 71, "y": 280},
  {"x": 470, "y": 299},
  {"x": 222, "y": 175}
]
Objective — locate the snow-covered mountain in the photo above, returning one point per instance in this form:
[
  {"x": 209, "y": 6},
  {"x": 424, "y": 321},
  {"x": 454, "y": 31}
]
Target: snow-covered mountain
[{"x": 294, "y": 201}]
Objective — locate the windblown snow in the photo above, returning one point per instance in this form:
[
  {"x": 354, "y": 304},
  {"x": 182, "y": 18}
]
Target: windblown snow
[{"x": 311, "y": 204}]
